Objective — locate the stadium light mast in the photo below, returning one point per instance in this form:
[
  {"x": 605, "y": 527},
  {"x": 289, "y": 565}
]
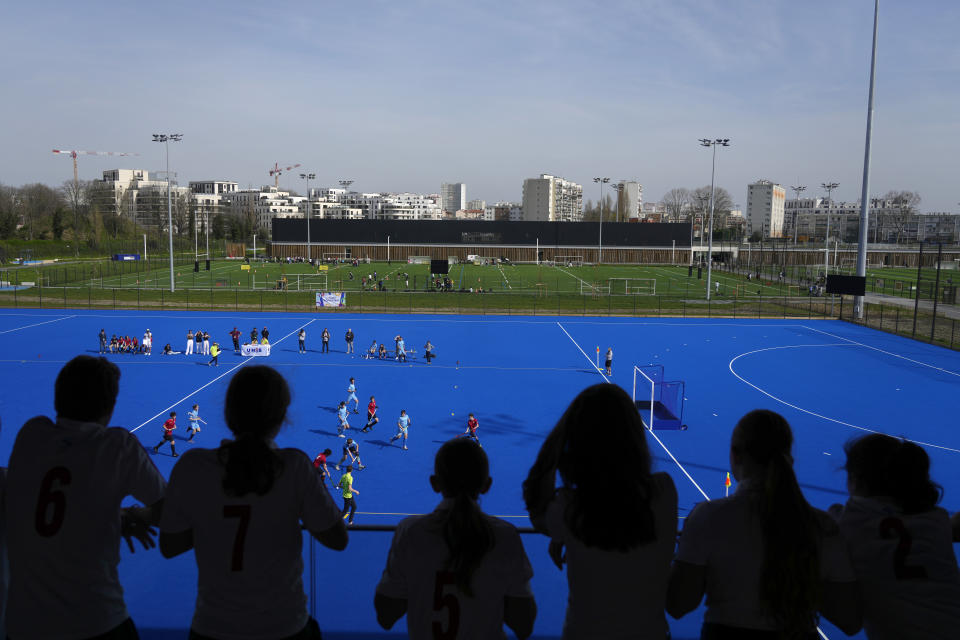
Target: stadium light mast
[
  {"x": 166, "y": 138},
  {"x": 828, "y": 187},
  {"x": 797, "y": 190},
  {"x": 706, "y": 142},
  {"x": 865, "y": 193},
  {"x": 601, "y": 182},
  {"x": 308, "y": 177}
]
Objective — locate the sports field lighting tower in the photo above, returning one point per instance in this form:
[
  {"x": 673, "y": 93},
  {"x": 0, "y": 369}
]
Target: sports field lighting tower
[
  {"x": 346, "y": 184},
  {"x": 166, "y": 139},
  {"x": 308, "y": 177},
  {"x": 828, "y": 187},
  {"x": 797, "y": 190},
  {"x": 601, "y": 182},
  {"x": 716, "y": 142},
  {"x": 865, "y": 187}
]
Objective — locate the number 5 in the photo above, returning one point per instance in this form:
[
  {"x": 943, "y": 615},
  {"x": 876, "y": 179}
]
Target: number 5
[
  {"x": 443, "y": 601},
  {"x": 50, "y": 498},
  {"x": 894, "y": 527}
]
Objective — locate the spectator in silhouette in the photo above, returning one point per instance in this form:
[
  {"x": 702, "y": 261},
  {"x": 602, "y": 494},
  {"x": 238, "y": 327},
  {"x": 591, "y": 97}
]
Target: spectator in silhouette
[
  {"x": 766, "y": 560},
  {"x": 65, "y": 483},
  {"x": 899, "y": 541},
  {"x": 240, "y": 507},
  {"x": 612, "y": 522},
  {"x": 471, "y": 563}
]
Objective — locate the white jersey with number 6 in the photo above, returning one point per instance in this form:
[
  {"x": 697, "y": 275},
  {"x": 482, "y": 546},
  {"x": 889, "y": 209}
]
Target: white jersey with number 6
[
  {"x": 435, "y": 606},
  {"x": 65, "y": 485},
  {"x": 248, "y": 549},
  {"x": 907, "y": 568}
]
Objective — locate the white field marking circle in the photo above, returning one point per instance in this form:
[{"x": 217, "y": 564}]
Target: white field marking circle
[{"x": 813, "y": 413}]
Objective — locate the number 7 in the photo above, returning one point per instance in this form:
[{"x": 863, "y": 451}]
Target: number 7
[{"x": 241, "y": 511}]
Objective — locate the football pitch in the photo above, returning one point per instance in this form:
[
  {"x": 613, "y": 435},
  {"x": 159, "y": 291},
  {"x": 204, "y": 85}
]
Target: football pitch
[{"x": 831, "y": 379}]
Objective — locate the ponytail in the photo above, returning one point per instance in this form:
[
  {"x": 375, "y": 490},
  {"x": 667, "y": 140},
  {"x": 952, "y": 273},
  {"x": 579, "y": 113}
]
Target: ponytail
[
  {"x": 790, "y": 589},
  {"x": 255, "y": 407},
  {"x": 881, "y": 465},
  {"x": 462, "y": 470}
]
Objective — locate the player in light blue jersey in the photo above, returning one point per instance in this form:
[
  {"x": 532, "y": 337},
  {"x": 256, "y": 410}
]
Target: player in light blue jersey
[
  {"x": 342, "y": 424},
  {"x": 352, "y": 395},
  {"x": 403, "y": 424},
  {"x": 401, "y": 349},
  {"x": 193, "y": 416}
]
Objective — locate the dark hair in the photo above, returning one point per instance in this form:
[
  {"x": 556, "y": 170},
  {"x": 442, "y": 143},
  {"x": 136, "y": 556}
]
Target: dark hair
[
  {"x": 625, "y": 464},
  {"x": 86, "y": 389},
  {"x": 790, "y": 572},
  {"x": 882, "y": 465},
  {"x": 327, "y": 452},
  {"x": 462, "y": 468},
  {"x": 254, "y": 409}
]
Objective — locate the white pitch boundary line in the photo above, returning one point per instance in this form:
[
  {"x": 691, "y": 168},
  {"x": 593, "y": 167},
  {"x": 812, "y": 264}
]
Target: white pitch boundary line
[
  {"x": 227, "y": 372},
  {"x": 650, "y": 431},
  {"x": 505, "y": 279},
  {"x": 889, "y": 353},
  {"x": 813, "y": 413},
  {"x": 37, "y": 324}
]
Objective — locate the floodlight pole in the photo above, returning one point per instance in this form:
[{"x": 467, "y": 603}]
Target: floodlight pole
[
  {"x": 165, "y": 139},
  {"x": 798, "y": 190},
  {"x": 865, "y": 193},
  {"x": 828, "y": 187},
  {"x": 706, "y": 142},
  {"x": 601, "y": 182},
  {"x": 308, "y": 177}
]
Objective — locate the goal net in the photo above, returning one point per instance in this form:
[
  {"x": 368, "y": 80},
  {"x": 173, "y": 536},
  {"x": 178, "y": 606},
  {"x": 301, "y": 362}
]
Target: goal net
[
  {"x": 335, "y": 257},
  {"x": 593, "y": 288},
  {"x": 633, "y": 286},
  {"x": 568, "y": 261},
  {"x": 309, "y": 282},
  {"x": 418, "y": 259},
  {"x": 659, "y": 402},
  {"x": 484, "y": 260}
]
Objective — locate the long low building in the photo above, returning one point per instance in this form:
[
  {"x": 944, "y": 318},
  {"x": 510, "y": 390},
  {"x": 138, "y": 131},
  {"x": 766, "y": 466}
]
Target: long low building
[{"x": 516, "y": 241}]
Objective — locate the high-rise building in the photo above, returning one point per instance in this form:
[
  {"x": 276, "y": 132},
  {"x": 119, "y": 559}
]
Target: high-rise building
[
  {"x": 765, "y": 202},
  {"x": 453, "y": 196},
  {"x": 474, "y": 205},
  {"x": 553, "y": 199},
  {"x": 629, "y": 200}
]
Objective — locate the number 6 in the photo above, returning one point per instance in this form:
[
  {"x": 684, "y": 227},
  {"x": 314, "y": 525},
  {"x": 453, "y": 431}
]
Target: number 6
[{"x": 47, "y": 498}]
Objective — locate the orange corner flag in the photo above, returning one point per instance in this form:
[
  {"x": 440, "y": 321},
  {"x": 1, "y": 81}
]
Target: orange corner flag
[{"x": 727, "y": 481}]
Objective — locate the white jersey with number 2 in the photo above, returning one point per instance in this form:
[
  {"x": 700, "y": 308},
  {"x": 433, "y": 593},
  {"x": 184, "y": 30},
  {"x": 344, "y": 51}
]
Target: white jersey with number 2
[{"x": 907, "y": 568}]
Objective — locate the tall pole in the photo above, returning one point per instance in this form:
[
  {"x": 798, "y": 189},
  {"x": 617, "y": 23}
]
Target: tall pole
[
  {"x": 308, "y": 177},
  {"x": 865, "y": 193},
  {"x": 705, "y": 142},
  {"x": 165, "y": 139},
  {"x": 144, "y": 246},
  {"x": 601, "y": 182},
  {"x": 828, "y": 187},
  {"x": 798, "y": 190}
]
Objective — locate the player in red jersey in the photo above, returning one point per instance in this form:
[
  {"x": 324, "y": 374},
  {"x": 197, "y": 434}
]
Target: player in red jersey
[
  {"x": 320, "y": 464},
  {"x": 471, "y": 432},
  {"x": 168, "y": 428},
  {"x": 372, "y": 418}
]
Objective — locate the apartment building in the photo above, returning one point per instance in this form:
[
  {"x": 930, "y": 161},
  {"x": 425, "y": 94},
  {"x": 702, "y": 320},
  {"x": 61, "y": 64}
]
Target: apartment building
[
  {"x": 133, "y": 194},
  {"x": 553, "y": 199},
  {"x": 765, "y": 206},
  {"x": 453, "y": 196}
]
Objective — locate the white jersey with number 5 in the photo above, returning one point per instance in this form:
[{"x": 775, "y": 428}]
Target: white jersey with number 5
[
  {"x": 435, "y": 606},
  {"x": 248, "y": 549},
  {"x": 65, "y": 485},
  {"x": 907, "y": 568}
]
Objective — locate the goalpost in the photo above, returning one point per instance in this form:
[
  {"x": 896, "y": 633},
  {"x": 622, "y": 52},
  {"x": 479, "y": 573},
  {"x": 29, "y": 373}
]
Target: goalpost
[
  {"x": 593, "y": 289},
  {"x": 418, "y": 259},
  {"x": 568, "y": 261},
  {"x": 335, "y": 257},
  {"x": 485, "y": 260},
  {"x": 312, "y": 282},
  {"x": 664, "y": 409},
  {"x": 633, "y": 286}
]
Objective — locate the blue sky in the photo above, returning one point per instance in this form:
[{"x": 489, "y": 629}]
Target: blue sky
[{"x": 401, "y": 96}]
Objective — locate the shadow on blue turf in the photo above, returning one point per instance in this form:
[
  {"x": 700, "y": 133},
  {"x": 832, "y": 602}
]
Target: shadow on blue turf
[
  {"x": 721, "y": 470},
  {"x": 321, "y": 432}
]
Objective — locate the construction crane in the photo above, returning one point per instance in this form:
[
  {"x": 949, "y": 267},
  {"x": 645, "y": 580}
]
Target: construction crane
[
  {"x": 276, "y": 171},
  {"x": 73, "y": 154}
]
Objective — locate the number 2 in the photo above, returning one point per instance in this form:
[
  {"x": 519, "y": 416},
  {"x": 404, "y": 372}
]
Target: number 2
[
  {"x": 51, "y": 498},
  {"x": 443, "y": 601},
  {"x": 894, "y": 527},
  {"x": 241, "y": 511}
]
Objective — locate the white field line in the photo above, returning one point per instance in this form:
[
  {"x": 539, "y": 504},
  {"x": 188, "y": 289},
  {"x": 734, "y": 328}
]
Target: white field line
[
  {"x": 505, "y": 279},
  {"x": 650, "y": 431},
  {"x": 37, "y": 324},
  {"x": 199, "y": 389}
]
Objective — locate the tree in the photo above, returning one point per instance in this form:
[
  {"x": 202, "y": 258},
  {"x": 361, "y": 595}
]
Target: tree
[
  {"x": 722, "y": 204},
  {"x": 676, "y": 203},
  {"x": 902, "y": 206}
]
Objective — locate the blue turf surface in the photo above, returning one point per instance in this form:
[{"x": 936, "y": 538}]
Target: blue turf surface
[{"x": 830, "y": 379}]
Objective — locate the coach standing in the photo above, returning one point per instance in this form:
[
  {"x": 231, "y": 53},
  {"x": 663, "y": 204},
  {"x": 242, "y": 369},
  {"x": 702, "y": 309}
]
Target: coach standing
[{"x": 349, "y": 338}]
